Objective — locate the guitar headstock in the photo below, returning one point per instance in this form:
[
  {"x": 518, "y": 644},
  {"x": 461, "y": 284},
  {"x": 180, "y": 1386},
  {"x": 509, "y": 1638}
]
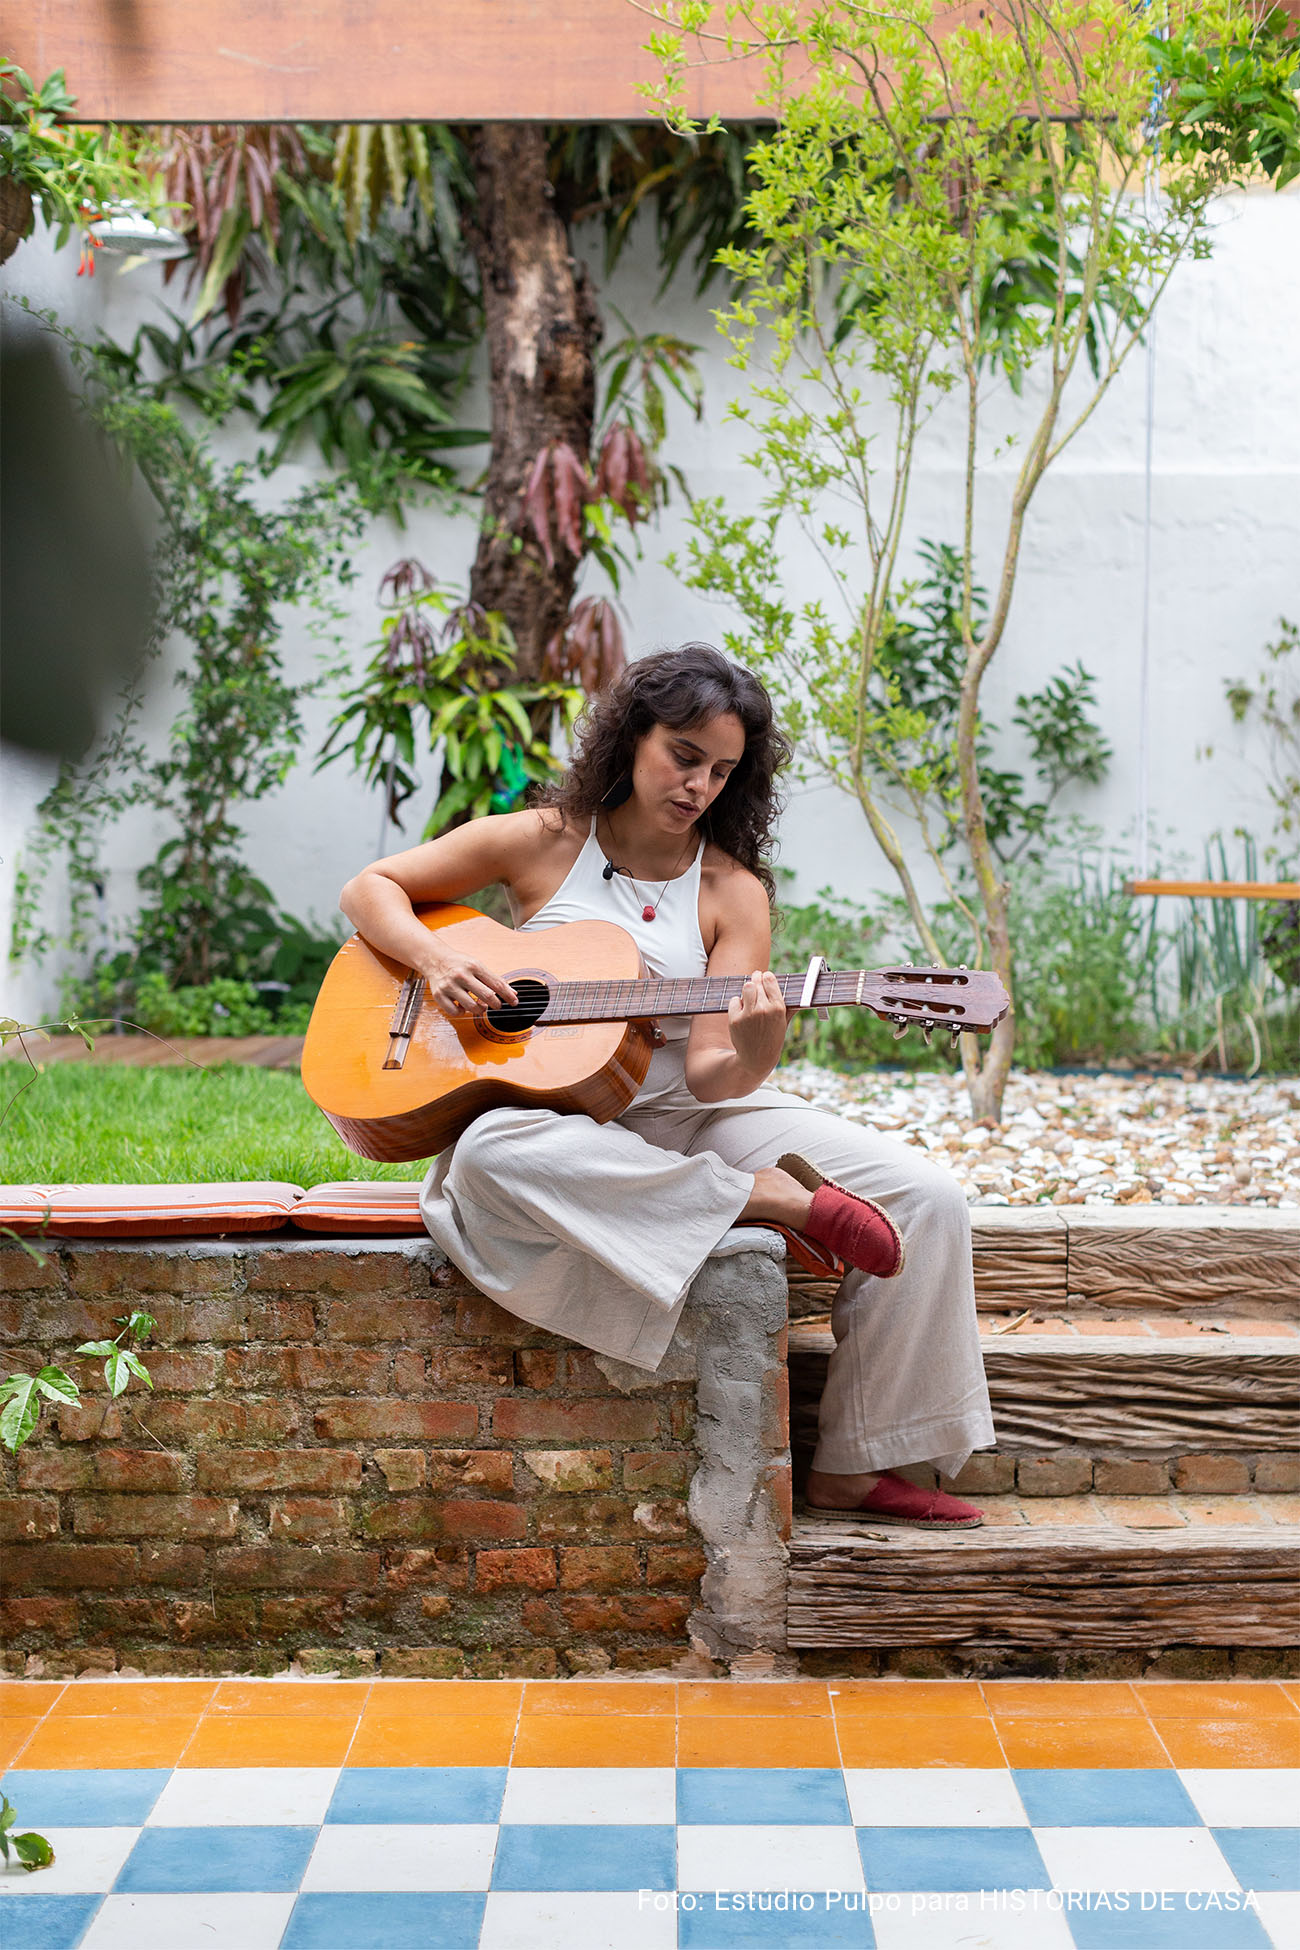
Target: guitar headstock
[{"x": 954, "y": 999}]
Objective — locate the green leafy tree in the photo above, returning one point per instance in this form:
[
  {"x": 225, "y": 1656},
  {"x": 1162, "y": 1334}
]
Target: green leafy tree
[{"x": 942, "y": 196}]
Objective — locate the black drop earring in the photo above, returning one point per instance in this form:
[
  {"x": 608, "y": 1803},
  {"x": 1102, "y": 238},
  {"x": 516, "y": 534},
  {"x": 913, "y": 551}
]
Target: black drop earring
[{"x": 618, "y": 792}]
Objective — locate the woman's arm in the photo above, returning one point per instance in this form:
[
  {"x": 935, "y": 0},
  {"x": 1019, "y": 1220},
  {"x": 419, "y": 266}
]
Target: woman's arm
[
  {"x": 730, "y": 1056},
  {"x": 378, "y": 901}
]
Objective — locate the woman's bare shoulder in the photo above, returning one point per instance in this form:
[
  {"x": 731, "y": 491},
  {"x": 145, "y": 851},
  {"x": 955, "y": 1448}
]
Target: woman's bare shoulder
[{"x": 728, "y": 891}]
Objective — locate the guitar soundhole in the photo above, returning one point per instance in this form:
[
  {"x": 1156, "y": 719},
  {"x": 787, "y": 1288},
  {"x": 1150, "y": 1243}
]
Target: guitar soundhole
[{"x": 516, "y": 1019}]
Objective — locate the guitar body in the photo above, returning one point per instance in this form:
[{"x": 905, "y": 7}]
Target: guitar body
[{"x": 451, "y": 1072}]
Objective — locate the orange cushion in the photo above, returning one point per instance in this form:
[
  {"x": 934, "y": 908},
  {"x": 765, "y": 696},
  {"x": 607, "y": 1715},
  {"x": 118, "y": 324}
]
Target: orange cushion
[
  {"x": 152, "y": 1211},
  {"x": 22, "y": 1207},
  {"x": 361, "y": 1205}
]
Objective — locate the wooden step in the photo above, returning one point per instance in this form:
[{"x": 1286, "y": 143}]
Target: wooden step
[
  {"x": 1097, "y": 1575},
  {"x": 1197, "y": 1259},
  {"x": 1085, "y": 1388}
]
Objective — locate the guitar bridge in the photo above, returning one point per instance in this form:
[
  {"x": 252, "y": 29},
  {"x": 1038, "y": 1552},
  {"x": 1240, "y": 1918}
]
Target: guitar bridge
[{"x": 402, "y": 1027}]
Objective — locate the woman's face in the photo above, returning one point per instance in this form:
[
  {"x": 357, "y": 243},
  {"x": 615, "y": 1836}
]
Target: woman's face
[{"x": 677, "y": 775}]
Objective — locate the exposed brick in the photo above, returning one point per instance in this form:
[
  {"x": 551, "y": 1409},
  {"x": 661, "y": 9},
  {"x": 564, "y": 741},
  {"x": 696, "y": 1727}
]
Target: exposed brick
[
  {"x": 435, "y": 1421},
  {"x": 674, "y": 1564},
  {"x": 23, "y": 1517},
  {"x": 48, "y": 1618},
  {"x": 534, "y": 1367},
  {"x": 1277, "y": 1474},
  {"x": 985, "y": 1475},
  {"x": 434, "y": 1604},
  {"x": 154, "y": 1516},
  {"x": 478, "y": 1318},
  {"x": 774, "y": 1408},
  {"x": 571, "y": 1470},
  {"x": 664, "y": 1517},
  {"x": 472, "y": 1367},
  {"x": 55, "y": 1469},
  {"x": 279, "y": 1469},
  {"x": 282, "y": 1320},
  {"x": 308, "y": 1519},
  {"x": 778, "y": 1479},
  {"x": 22, "y": 1272},
  {"x": 301, "y": 1611},
  {"x": 383, "y": 1320},
  {"x": 11, "y": 1322},
  {"x": 538, "y": 1419},
  {"x": 658, "y": 1469},
  {"x": 539, "y": 1616},
  {"x": 175, "y": 1373},
  {"x": 306, "y": 1369},
  {"x": 448, "y": 1565},
  {"x": 404, "y": 1518},
  {"x": 89, "y": 1421},
  {"x": 1130, "y": 1476},
  {"x": 422, "y": 1662},
  {"x": 285, "y": 1566},
  {"x": 681, "y": 1420},
  {"x": 1057, "y": 1475},
  {"x": 403, "y": 1469},
  {"x": 219, "y": 1318},
  {"x": 198, "y": 1423},
  {"x": 330, "y": 1271},
  {"x": 627, "y": 1614},
  {"x": 112, "y": 1618},
  {"x": 607, "y": 1567},
  {"x": 139, "y": 1469},
  {"x": 514, "y": 1662},
  {"x": 472, "y": 1518},
  {"x": 125, "y": 1269},
  {"x": 219, "y": 1618},
  {"x": 410, "y": 1372},
  {"x": 475, "y": 1469},
  {"x": 579, "y": 1373},
  {"x": 582, "y": 1519},
  {"x": 533, "y": 1568},
  {"x": 38, "y": 1567},
  {"x": 1215, "y": 1475},
  {"x": 184, "y": 1566}
]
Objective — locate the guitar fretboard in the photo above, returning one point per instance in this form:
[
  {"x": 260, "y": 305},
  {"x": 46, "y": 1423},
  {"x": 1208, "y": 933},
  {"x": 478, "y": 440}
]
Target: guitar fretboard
[{"x": 705, "y": 995}]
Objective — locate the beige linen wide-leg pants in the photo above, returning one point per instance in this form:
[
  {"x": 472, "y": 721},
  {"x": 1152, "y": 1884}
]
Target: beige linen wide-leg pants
[{"x": 596, "y": 1231}]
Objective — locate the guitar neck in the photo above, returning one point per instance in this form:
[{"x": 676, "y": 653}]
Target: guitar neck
[{"x": 705, "y": 995}]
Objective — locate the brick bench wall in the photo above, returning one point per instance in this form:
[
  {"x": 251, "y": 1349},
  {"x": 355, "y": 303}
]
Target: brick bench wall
[{"x": 353, "y": 1459}]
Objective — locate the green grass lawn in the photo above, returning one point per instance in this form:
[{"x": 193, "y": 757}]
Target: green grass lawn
[{"x": 113, "y": 1124}]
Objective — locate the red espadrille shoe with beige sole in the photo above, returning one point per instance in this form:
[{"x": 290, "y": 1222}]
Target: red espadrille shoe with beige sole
[
  {"x": 895, "y": 1500},
  {"x": 846, "y": 1224}
]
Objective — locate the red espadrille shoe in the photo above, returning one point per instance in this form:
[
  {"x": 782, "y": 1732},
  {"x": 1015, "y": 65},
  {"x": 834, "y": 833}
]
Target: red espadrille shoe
[
  {"x": 817, "y": 1260},
  {"x": 850, "y": 1226},
  {"x": 895, "y": 1500}
]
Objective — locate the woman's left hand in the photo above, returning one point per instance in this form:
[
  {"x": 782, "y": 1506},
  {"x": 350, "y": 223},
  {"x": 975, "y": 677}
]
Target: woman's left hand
[{"x": 756, "y": 1019}]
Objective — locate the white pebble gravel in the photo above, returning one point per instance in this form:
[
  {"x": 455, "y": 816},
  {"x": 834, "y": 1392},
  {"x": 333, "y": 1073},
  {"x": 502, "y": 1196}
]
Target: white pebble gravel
[{"x": 1113, "y": 1139}]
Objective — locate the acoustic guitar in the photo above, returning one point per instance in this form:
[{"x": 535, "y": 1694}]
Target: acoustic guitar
[{"x": 399, "y": 1079}]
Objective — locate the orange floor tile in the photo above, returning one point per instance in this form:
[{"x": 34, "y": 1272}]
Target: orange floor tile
[
  {"x": 427, "y": 1698},
  {"x": 110, "y": 1740},
  {"x": 629, "y": 1700},
  {"x": 1231, "y": 1743},
  {"x": 1110, "y": 1740},
  {"x": 455, "y": 1740},
  {"x": 595, "y": 1740},
  {"x": 923, "y": 1740},
  {"x": 291, "y": 1697},
  {"x": 788, "y": 1740},
  {"x": 853, "y": 1698},
  {"x": 271, "y": 1740},
  {"x": 1264, "y": 1700},
  {"x": 26, "y": 1699},
  {"x": 712, "y": 1699},
  {"x": 135, "y": 1698},
  {"x": 1060, "y": 1699},
  {"x": 14, "y": 1736}
]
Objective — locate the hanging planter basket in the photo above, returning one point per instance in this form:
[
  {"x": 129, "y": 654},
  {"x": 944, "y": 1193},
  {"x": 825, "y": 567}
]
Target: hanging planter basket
[{"x": 15, "y": 215}]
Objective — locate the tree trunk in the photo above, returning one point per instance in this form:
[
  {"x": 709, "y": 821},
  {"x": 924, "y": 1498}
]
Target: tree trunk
[{"x": 542, "y": 330}]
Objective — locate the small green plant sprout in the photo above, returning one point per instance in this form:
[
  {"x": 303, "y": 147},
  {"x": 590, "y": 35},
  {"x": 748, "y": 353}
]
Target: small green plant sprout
[
  {"x": 31, "y": 1850},
  {"x": 24, "y": 1395}
]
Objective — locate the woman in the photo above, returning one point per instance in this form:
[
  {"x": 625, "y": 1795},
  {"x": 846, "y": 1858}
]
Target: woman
[{"x": 596, "y": 1231}]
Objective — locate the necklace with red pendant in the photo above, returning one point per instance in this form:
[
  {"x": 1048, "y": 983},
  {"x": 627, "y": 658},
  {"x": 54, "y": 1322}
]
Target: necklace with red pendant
[{"x": 649, "y": 910}]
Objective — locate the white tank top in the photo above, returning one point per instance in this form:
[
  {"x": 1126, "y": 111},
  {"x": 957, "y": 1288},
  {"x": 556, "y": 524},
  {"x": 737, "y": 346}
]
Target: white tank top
[{"x": 671, "y": 944}]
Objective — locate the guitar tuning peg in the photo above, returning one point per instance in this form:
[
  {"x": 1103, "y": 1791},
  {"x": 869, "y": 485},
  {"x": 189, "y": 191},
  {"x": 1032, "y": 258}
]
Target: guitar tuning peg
[
  {"x": 903, "y": 1026},
  {"x": 954, "y": 1041},
  {"x": 926, "y": 1034}
]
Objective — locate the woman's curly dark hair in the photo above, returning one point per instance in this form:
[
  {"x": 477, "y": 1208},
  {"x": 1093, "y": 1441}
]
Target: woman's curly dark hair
[{"x": 680, "y": 688}]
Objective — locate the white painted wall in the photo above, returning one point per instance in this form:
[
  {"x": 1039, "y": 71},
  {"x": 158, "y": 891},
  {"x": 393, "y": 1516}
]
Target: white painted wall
[{"x": 1225, "y": 565}]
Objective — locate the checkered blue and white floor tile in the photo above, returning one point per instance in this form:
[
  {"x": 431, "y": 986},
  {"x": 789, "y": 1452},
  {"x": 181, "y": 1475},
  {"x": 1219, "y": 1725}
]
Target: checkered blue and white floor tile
[{"x": 942, "y": 1856}]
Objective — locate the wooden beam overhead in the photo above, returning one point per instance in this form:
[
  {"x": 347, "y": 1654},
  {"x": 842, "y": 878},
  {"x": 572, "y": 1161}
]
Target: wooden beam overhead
[{"x": 335, "y": 61}]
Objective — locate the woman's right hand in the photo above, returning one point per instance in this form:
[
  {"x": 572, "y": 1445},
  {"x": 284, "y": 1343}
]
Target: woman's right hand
[{"x": 459, "y": 985}]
